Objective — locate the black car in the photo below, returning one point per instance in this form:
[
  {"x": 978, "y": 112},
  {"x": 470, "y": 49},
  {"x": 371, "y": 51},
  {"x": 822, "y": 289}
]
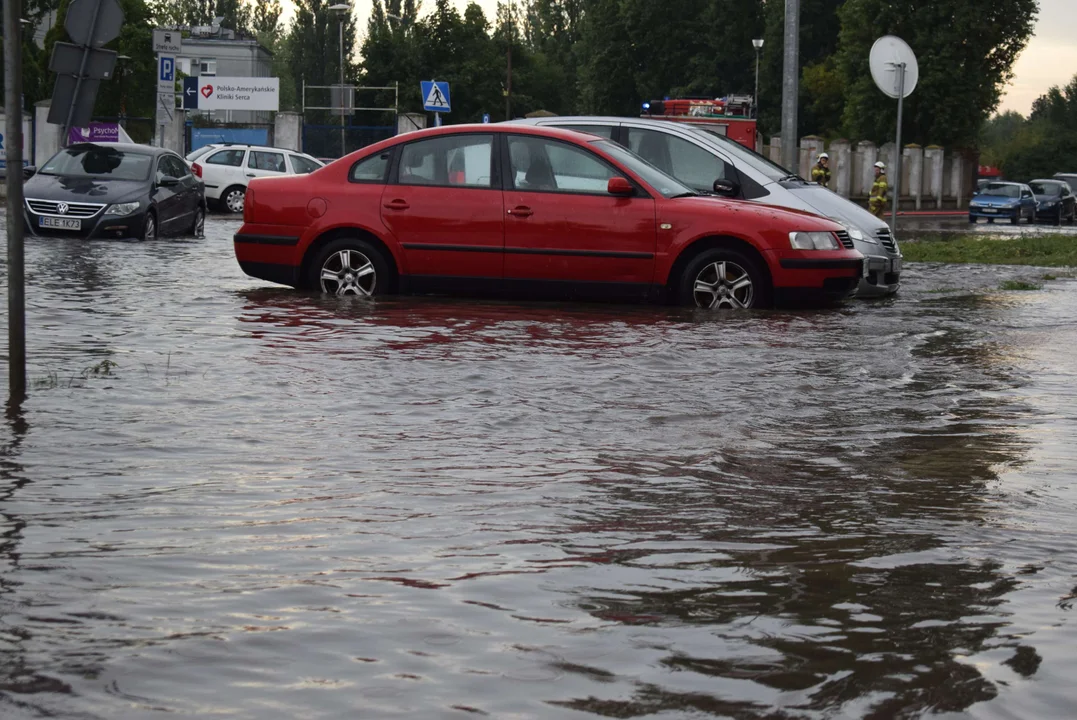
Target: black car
[
  {"x": 113, "y": 190},
  {"x": 1055, "y": 201}
]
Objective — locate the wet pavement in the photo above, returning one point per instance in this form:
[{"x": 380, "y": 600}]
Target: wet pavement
[
  {"x": 227, "y": 499},
  {"x": 918, "y": 226}
]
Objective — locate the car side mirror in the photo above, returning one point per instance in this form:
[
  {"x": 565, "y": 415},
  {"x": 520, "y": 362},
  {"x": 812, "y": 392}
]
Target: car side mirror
[
  {"x": 168, "y": 181},
  {"x": 620, "y": 186},
  {"x": 28, "y": 172},
  {"x": 726, "y": 188}
]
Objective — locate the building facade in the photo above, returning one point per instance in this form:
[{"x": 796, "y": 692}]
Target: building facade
[{"x": 223, "y": 55}]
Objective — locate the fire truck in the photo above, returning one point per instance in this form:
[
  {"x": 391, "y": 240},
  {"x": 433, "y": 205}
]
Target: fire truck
[{"x": 732, "y": 116}]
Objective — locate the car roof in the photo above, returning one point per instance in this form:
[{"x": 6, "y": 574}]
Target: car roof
[{"x": 478, "y": 129}]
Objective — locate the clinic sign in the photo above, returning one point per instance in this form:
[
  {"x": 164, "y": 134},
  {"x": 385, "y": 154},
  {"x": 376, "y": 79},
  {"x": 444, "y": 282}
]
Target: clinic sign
[{"x": 231, "y": 93}]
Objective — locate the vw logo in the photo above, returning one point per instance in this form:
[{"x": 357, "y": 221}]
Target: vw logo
[{"x": 62, "y": 208}]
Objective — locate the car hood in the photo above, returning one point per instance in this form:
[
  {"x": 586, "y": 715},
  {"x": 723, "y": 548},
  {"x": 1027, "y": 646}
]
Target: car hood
[
  {"x": 767, "y": 215},
  {"x": 994, "y": 200},
  {"x": 82, "y": 189},
  {"x": 829, "y": 204}
]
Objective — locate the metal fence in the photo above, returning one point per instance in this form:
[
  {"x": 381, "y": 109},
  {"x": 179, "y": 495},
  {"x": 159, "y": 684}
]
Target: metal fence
[
  {"x": 330, "y": 112},
  {"x": 324, "y": 141}
]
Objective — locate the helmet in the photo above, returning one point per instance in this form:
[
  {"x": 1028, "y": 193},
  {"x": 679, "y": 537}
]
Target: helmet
[
  {"x": 824, "y": 156},
  {"x": 881, "y": 165}
]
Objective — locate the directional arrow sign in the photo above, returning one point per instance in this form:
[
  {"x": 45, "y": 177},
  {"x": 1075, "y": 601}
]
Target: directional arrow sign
[
  {"x": 80, "y": 21},
  {"x": 190, "y": 93}
]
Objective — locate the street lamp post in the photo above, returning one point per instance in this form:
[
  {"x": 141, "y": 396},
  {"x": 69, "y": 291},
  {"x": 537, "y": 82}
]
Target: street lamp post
[
  {"x": 122, "y": 70},
  {"x": 757, "y": 43},
  {"x": 341, "y": 8}
]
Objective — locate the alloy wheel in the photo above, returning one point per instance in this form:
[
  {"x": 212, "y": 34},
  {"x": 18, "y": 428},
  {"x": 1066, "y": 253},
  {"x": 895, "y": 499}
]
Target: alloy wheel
[
  {"x": 348, "y": 272},
  {"x": 723, "y": 284},
  {"x": 199, "y": 223}
]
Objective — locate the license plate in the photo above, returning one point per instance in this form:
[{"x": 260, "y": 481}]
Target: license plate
[
  {"x": 895, "y": 265},
  {"x": 59, "y": 223},
  {"x": 989, "y": 210}
]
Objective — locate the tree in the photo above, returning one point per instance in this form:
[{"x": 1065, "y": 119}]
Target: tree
[
  {"x": 965, "y": 53},
  {"x": 314, "y": 48}
]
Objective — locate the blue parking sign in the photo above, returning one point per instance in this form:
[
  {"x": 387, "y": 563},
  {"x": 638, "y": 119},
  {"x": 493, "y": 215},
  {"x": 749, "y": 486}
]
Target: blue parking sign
[{"x": 168, "y": 69}]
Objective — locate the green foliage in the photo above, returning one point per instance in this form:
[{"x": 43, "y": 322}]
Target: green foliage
[{"x": 965, "y": 53}]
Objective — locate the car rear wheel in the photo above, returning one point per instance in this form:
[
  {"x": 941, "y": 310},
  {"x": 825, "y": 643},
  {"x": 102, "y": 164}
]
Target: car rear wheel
[
  {"x": 232, "y": 199},
  {"x": 723, "y": 279},
  {"x": 349, "y": 266},
  {"x": 149, "y": 227}
]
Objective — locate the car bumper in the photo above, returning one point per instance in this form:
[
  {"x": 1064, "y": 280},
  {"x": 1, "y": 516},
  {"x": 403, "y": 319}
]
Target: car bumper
[
  {"x": 99, "y": 226},
  {"x": 991, "y": 213},
  {"x": 881, "y": 276},
  {"x": 801, "y": 277},
  {"x": 1051, "y": 213}
]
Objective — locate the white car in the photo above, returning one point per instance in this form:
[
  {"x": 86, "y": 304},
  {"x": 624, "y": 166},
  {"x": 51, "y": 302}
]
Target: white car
[{"x": 226, "y": 169}]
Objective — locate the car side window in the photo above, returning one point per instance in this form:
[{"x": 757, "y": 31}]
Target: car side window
[
  {"x": 450, "y": 161},
  {"x": 233, "y": 158},
  {"x": 260, "y": 160},
  {"x": 167, "y": 166},
  {"x": 302, "y": 166},
  {"x": 178, "y": 166},
  {"x": 605, "y": 131},
  {"x": 371, "y": 169},
  {"x": 692, "y": 165},
  {"x": 542, "y": 165}
]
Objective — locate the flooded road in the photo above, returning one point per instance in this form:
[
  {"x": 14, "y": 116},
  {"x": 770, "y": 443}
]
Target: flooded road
[{"x": 226, "y": 499}]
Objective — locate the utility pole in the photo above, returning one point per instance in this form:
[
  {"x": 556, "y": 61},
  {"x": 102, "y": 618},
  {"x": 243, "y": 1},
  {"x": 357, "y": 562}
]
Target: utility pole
[
  {"x": 16, "y": 280},
  {"x": 509, "y": 32},
  {"x": 341, "y": 8},
  {"x": 791, "y": 86},
  {"x": 757, "y": 43}
]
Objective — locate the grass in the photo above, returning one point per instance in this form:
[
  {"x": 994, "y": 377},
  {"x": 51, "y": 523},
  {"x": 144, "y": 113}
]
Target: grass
[
  {"x": 1042, "y": 251},
  {"x": 1019, "y": 285}
]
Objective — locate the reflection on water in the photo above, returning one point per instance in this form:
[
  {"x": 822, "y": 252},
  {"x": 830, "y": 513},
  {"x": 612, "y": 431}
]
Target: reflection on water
[{"x": 282, "y": 505}]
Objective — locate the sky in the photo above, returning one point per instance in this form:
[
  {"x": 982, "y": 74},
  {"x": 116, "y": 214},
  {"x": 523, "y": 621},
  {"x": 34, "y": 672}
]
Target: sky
[{"x": 1050, "y": 58}]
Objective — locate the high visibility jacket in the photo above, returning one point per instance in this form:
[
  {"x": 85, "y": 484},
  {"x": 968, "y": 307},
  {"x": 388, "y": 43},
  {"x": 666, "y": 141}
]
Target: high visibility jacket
[
  {"x": 880, "y": 187},
  {"x": 820, "y": 174}
]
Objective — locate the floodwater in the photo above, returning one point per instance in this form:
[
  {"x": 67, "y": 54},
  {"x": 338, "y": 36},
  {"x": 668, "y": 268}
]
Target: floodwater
[{"x": 230, "y": 500}]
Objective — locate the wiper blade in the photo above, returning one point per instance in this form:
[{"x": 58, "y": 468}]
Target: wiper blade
[
  {"x": 792, "y": 177},
  {"x": 684, "y": 195}
]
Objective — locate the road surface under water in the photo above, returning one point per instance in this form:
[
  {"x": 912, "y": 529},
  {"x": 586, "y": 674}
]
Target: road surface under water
[{"x": 226, "y": 499}]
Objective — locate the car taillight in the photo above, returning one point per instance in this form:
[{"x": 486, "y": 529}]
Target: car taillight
[{"x": 197, "y": 170}]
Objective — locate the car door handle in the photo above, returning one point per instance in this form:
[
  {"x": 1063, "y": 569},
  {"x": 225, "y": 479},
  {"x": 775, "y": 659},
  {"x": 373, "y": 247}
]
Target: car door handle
[
  {"x": 397, "y": 205},
  {"x": 251, "y": 175},
  {"x": 521, "y": 211}
]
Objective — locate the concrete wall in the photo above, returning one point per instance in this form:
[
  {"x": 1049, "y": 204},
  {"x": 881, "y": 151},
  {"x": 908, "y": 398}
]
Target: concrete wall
[
  {"x": 27, "y": 137},
  {"x": 409, "y": 122},
  {"x": 47, "y": 142}
]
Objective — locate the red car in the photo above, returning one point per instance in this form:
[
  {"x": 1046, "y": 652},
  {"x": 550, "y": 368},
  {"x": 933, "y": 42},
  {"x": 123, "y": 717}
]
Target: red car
[{"x": 532, "y": 211}]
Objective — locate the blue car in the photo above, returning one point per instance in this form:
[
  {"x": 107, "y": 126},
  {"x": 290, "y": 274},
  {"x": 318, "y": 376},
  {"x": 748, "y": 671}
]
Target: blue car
[{"x": 1009, "y": 200}]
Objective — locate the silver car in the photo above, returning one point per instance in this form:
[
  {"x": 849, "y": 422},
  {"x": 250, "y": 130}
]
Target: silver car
[{"x": 698, "y": 156}]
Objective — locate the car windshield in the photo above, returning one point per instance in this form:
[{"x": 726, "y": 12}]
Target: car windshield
[
  {"x": 1000, "y": 190},
  {"x": 664, "y": 184},
  {"x": 195, "y": 154},
  {"x": 99, "y": 162},
  {"x": 771, "y": 169},
  {"x": 1046, "y": 188}
]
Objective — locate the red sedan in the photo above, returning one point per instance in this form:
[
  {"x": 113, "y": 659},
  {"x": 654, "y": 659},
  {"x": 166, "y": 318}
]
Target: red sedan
[{"x": 531, "y": 211}]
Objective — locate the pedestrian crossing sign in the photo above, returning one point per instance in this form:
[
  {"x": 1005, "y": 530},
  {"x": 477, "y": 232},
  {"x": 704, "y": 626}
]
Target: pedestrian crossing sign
[{"x": 435, "y": 96}]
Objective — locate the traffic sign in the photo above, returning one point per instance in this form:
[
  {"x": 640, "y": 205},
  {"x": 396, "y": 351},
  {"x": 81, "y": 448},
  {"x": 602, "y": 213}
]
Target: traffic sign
[
  {"x": 80, "y": 21},
  {"x": 485, "y": 118},
  {"x": 67, "y": 60},
  {"x": 167, "y": 41},
  {"x": 166, "y": 74},
  {"x": 190, "y": 93},
  {"x": 435, "y": 96},
  {"x": 166, "y": 107},
  {"x": 69, "y": 94}
]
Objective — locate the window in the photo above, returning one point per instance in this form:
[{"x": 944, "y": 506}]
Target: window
[
  {"x": 273, "y": 162},
  {"x": 169, "y": 166},
  {"x": 605, "y": 131},
  {"x": 233, "y": 158},
  {"x": 207, "y": 67},
  {"x": 371, "y": 169},
  {"x": 692, "y": 165},
  {"x": 452, "y": 161},
  {"x": 551, "y": 166},
  {"x": 303, "y": 165}
]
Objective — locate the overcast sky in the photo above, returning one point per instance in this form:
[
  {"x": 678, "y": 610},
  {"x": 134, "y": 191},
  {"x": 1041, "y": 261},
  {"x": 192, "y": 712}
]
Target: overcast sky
[{"x": 1050, "y": 58}]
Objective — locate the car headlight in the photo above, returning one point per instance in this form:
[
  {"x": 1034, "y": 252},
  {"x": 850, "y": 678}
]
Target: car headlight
[
  {"x": 122, "y": 208},
  {"x": 813, "y": 241}
]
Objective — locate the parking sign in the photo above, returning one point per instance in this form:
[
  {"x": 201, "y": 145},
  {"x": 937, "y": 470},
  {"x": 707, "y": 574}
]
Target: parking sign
[{"x": 166, "y": 74}]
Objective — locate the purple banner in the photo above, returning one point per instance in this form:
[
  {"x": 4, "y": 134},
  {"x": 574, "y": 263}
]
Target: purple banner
[{"x": 96, "y": 132}]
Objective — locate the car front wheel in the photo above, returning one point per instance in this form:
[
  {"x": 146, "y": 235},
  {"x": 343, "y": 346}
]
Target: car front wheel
[
  {"x": 198, "y": 225},
  {"x": 149, "y": 227},
  {"x": 723, "y": 279},
  {"x": 232, "y": 199},
  {"x": 349, "y": 266}
]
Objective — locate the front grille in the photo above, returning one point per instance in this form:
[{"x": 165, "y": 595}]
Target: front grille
[
  {"x": 846, "y": 241},
  {"x": 73, "y": 209},
  {"x": 887, "y": 240}
]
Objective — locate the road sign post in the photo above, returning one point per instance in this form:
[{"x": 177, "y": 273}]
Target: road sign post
[
  {"x": 895, "y": 71},
  {"x": 16, "y": 284}
]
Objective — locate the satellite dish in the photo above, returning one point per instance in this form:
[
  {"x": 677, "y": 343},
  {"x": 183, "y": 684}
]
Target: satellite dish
[{"x": 887, "y": 54}]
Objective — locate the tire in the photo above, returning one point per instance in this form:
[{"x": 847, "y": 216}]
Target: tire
[
  {"x": 1016, "y": 219},
  {"x": 149, "y": 227},
  {"x": 232, "y": 199},
  {"x": 1058, "y": 220},
  {"x": 349, "y": 266},
  {"x": 972, "y": 219},
  {"x": 198, "y": 224},
  {"x": 715, "y": 279}
]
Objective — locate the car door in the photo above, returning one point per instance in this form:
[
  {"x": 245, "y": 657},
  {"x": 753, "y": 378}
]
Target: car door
[
  {"x": 223, "y": 169},
  {"x": 168, "y": 196},
  {"x": 693, "y": 165},
  {"x": 265, "y": 163},
  {"x": 189, "y": 188},
  {"x": 1069, "y": 204},
  {"x": 561, "y": 223},
  {"x": 444, "y": 207},
  {"x": 1028, "y": 202}
]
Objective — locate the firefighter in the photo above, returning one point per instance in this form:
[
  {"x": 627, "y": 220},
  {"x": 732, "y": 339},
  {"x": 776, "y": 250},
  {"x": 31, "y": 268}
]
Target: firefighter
[
  {"x": 877, "y": 198},
  {"x": 820, "y": 172}
]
